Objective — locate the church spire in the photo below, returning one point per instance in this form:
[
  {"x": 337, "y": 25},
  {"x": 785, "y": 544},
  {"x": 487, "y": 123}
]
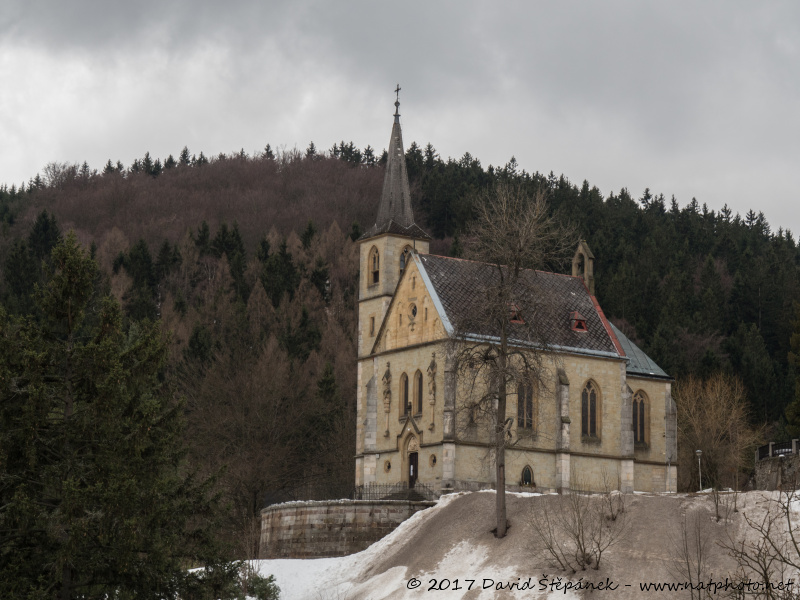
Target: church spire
[{"x": 396, "y": 197}]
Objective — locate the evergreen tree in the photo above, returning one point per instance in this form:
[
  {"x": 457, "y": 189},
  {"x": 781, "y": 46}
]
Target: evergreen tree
[
  {"x": 184, "y": 159},
  {"x": 311, "y": 151},
  {"x": 793, "y": 409},
  {"x": 355, "y": 231},
  {"x": 147, "y": 164},
  {"x": 280, "y": 275},
  {"x": 94, "y": 499},
  {"x": 300, "y": 341},
  {"x": 203, "y": 239},
  {"x": 320, "y": 278},
  {"x": 23, "y": 264},
  {"x": 368, "y": 158},
  {"x": 44, "y": 235},
  {"x": 263, "y": 250},
  {"x": 308, "y": 235}
]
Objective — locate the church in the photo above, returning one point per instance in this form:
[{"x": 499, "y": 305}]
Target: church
[{"x": 607, "y": 419}]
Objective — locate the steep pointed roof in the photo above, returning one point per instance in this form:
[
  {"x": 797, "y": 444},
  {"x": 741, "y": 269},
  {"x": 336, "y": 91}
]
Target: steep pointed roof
[
  {"x": 396, "y": 197},
  {"x": 394, "y": 212}
]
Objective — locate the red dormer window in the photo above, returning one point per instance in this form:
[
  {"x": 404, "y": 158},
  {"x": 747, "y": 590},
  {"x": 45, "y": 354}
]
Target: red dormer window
[
  {"x": 577, "y": 322},
  {"x": 516, "y": 316}
]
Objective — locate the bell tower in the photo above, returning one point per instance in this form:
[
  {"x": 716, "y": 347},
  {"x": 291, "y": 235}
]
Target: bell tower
[
  {"x": 384, "y": 252},
  {"x": 385, "y": 248}
]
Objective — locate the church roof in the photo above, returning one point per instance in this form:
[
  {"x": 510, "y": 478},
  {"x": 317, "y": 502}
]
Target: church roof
[
  {"x": 640, "y": 363},
  {"x": 394, "y": 211},
  {"x": 455, "y": 284}
]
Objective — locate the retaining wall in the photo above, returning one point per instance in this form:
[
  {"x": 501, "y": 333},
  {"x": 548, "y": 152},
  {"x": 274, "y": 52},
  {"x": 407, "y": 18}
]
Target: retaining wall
[
  {"x": 778, "y": 473},
  {"x": 317, "y": 529}
]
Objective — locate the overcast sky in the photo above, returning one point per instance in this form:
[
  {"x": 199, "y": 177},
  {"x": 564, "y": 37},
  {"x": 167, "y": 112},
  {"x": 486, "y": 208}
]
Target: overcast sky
[{"x": 685, "y": 98}]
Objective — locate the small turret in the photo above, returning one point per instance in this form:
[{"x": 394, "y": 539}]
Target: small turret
[{"x": 583, "y": 265}]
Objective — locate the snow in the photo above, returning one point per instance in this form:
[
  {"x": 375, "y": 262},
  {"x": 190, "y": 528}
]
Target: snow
[
  {"x": 351, "y": 577},
  {"x": 453, "y": 541}
]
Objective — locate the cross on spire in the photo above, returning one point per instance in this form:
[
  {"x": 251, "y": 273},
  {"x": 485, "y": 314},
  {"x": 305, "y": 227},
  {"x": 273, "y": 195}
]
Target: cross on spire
[
  {"x": 397, "y": 91},
  {"x": 397, "y": 104}
]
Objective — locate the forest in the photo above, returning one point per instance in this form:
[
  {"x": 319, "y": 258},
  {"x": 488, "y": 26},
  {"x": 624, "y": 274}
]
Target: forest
[{"x": 250, "y": 265}]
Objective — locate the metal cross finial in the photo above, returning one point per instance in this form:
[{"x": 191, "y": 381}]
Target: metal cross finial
[{"x": 397, "y": 104}]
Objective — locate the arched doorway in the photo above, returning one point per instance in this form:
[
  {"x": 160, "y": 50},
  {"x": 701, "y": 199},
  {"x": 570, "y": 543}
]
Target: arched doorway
[{"x": 412, "y": 451}]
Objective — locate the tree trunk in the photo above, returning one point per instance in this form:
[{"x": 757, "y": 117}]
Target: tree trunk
[{"x": 500, "y": 440}]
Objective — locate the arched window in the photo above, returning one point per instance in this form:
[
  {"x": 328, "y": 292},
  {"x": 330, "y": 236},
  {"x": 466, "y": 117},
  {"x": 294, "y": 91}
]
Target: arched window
[
  {"x": 525, "y": 414},
  {"x": 404, "y": 403},
  {"x": 590, "y": 410},
  {"x": 418, "y": 391},
  {"x": 374, "y": 266},
  {"x": 527, "y": 476},
  {"x": 639, "y": 417}
]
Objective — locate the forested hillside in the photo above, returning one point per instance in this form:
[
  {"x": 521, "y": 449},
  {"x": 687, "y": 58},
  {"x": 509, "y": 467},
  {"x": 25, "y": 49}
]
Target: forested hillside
[{"x": 250, "y": 262}]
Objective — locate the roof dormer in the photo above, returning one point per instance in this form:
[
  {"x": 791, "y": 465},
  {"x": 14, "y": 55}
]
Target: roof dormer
[{"x": 577, "y": 322}]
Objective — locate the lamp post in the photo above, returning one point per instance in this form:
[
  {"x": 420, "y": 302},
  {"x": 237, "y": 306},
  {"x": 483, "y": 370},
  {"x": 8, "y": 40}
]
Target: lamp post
[{"x": 699, "y": 469}]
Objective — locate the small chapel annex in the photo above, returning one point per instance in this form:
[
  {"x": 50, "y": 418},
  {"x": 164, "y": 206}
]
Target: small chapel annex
[{"x": 608, "y": 419}]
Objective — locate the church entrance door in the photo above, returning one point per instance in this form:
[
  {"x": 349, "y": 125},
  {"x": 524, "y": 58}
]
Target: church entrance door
[{"x": 413, "y": 473}]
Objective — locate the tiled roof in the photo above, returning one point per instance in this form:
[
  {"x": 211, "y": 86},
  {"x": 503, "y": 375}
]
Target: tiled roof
[
  {"x": 395, "y": 202},
  {"x": 460, "y": 286},
  {"x": 640, "y": 363},
  {"x": 394, "y": 210}
]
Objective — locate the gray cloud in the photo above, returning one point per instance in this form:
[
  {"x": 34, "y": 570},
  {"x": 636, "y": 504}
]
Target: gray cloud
[{"x": 688, "y": 99}]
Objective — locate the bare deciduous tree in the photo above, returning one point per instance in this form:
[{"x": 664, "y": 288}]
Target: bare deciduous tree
[
  {"x": 712, "y": 417},
  {"x": 768, "y": 550},
  {"x": 574, "y": 530},
  {"x": 502, "y": 338},
  {"x": 692, "y": 548}
]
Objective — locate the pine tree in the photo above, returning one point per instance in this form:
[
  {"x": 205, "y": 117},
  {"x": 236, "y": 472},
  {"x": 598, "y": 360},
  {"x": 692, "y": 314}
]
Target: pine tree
[
  {"x": 147, "y": 164},
  {"x": 311, "y": 151},
  {"x": 793, "y": 409},
  {"x": 280, "y": 275},
  {"x": 203, "y": 240},
  {"x": 185, "y": 160},
  {"x": 94, "y": 499},
  {"x": 308, "y": 235},
  {"x": 355, "y": 231}
]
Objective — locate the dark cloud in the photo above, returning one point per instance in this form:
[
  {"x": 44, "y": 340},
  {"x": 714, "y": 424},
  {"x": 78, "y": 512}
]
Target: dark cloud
[{"x": 686, "y": 98}]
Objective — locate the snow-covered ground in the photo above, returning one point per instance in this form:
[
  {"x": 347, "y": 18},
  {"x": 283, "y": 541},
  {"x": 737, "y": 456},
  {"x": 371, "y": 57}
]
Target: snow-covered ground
[{"x": 450, "y": 546}]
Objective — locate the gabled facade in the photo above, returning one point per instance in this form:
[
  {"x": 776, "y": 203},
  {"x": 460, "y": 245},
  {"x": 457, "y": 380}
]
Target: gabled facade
[{"x": 606, "y": 418}]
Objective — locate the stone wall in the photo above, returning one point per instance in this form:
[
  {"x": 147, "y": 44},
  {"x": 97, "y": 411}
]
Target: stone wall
[
  {"x": 317, "y": 529},
  {"x": 778, "y": 473}
]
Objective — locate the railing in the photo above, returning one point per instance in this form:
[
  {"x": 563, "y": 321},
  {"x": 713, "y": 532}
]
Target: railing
[
  {"x": 396, "y": 491},
  {"x": 777, "y": 449},
  {"x": 372, "y": 491}
]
